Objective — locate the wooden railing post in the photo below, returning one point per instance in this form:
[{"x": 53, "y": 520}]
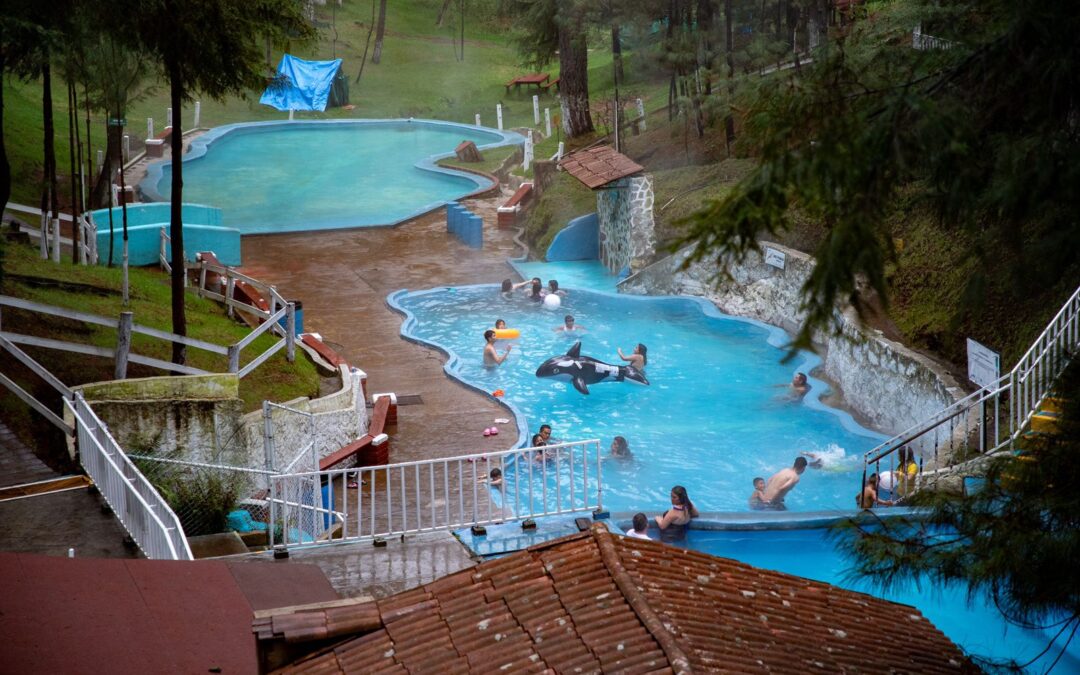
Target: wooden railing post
[
  {"x": 230, "y": 287},
  {"x": 123, "y": 344},
  {"x": 234, "y": 359},
  {"x": 290, "y": 332},
  {"x": 202, "y": 277}
]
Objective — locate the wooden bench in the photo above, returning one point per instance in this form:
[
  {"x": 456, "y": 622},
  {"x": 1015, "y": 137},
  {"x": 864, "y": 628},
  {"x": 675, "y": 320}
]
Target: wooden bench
[
  {"x": 155, "y": 147},
  {"x": 364, "y": 449},
  {"x": 546, "y": 86},
  {"x": 508, "y": 212}
]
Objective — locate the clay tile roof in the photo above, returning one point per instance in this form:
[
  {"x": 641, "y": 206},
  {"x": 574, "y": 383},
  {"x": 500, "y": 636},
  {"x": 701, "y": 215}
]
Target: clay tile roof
[
  {"x": 599, "y": 166},
  {"x": 601, "y": 602}
]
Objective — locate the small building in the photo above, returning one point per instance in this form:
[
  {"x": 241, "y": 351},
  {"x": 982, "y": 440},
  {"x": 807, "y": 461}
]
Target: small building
[
  {"x": 624, "y": 204},
  {"x": 600, "y": 602}
]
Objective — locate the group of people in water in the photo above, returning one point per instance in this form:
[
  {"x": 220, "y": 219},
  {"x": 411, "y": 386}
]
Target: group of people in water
[{"x": 535, "y": 288}]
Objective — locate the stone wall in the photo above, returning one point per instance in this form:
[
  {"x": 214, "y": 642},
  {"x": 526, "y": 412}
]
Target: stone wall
[
  {"x": 627, "y": 232},
  {"x": 886, "y": 383},
  {"x": 200, "y": 418}
]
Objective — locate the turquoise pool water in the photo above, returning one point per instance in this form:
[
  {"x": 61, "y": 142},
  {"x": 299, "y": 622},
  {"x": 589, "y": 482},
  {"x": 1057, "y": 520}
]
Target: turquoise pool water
[
  {"x": 716, "y": 414},
  {"x": 289, "y": 176},
  {"x": 977, "y": 627}
]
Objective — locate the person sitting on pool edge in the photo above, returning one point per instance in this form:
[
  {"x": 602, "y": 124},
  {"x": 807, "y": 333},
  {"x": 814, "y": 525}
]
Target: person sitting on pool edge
[
  {"x": 620, "y": 448},
  {"x": 757, "y": 499},
  {"x": 868, "y": 498},
  {"x": 640, "y": 530},
  {"x": 569, "y": 325},
  {"x": 781, "y": 483},
  {"x": 638, "y": 359},
  {"x": 675, "y": 521},
  {"x": 491, "y": 357}
]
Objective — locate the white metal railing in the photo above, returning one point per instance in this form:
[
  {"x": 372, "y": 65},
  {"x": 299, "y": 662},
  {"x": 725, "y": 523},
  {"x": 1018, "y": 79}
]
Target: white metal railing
[
  {"x": 993, "y": 417},
  {"x": 438, "y": 494},
  {"x": 143, "y": 512},
  {"x": 163, "y": 253},
  {"x": 922, "y": 41}
]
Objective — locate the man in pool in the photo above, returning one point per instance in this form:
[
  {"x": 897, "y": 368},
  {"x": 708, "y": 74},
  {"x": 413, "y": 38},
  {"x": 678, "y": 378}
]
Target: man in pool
[
  {"x": 491, "y": 357},
  {"x": 799, "y": 385},
  {"x": 569, "y": 325},
  {"x": 781, "y": 483}
]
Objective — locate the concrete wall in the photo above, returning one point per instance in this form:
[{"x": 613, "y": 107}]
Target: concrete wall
[
  {"x": 579, "y": 240},
  {"x": 200, "y": 418},
  {"x": 888, "y": 384}
]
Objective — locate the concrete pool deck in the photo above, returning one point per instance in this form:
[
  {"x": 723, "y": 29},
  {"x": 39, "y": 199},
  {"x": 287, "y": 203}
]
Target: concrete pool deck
[{"x": 343, "y": 278}]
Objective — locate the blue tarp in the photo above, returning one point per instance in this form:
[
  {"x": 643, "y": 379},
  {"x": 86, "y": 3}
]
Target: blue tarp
[{"x": 301, "y": 85}]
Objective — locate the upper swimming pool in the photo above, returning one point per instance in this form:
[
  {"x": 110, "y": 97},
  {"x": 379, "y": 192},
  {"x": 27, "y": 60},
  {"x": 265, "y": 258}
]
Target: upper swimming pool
[
  {"x": 289, "y": 176},
  {"x": 717, "y": 412}
]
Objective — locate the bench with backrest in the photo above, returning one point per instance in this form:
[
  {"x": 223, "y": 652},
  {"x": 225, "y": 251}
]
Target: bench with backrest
[
  {"x": 508, "y": 212},
  {"x": 155, "y": 147},
  {"x": 365, "y": 450}
]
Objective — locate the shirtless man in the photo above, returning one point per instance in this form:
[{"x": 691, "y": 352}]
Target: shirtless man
[
  {"x": 799, "y": 385},
  {"x": 781, "y": 483},
  {"x": 569, "y": 325},
  {"x": 491, "y": 357}
]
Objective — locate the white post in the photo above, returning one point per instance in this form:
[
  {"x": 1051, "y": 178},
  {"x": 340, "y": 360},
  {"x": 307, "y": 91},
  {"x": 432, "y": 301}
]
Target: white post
[
  {"x": 641, "y": 113},
  {"x": 198, "y": 114},
  {"x": 127, "y": 147},
  {"x": 149, "y": 127},
  {"x": 168, "y": 117},
  {"x": 124, "y": 274},
  {"x": 559, "y": 154},
  {"x": 547, "y": 122},
  {"x": 498, "y": 114},
  {"x": 56, "y": 240},
  {"x": 100, "y": 160},
  {"x": 536, "y": 109},
  {"x": 477, "y": 119},
  {"x": 528, "y": 152},
  {"x": 290, "y": 114}
]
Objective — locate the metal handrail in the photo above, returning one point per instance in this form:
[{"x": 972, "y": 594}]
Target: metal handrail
[
  {"x": 141, "y": 510},
  {"x": 436, "y": 494},
  {"x": 1017, "y": 395}
]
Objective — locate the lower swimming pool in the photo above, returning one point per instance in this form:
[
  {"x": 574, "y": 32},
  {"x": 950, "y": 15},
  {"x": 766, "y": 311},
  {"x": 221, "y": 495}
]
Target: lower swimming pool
[
  {"x": 717, "y": 412},
  {"x": 977, "y": 626}
]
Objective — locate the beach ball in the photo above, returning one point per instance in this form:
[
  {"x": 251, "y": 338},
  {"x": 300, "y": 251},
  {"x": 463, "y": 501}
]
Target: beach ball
[{"x": 552, "y": 301}]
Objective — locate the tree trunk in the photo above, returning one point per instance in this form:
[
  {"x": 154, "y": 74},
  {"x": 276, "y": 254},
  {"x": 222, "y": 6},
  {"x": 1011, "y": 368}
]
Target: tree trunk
[
  {"x": 367, "y": 43},
  {"x": 616, "y": 52},
  {"x": 442, "y": 13},
  {"x": 94, "y": 201},
  {"x": 5, "y": 166},
  {"x": 72, "y": 124},
  {"x": 49, "y": 179},
  {"x": 376, "y": 55},
  {"x": 729, "y": 53},
  {"x": 176, "y": 223},
  {"x": 574, "y": 78}
]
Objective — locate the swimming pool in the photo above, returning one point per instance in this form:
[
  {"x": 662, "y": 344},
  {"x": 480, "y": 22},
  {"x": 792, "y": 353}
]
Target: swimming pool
[
  {"x": 977, "y": 627},
  {"x": 290, "y": 176},
  {"x": 716, "y": 414}
]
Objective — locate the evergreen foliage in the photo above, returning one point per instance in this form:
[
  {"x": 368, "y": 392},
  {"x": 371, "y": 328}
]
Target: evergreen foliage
[
  {"x": 984, "y": 127},
  {"x": 1017, "y": 539}
]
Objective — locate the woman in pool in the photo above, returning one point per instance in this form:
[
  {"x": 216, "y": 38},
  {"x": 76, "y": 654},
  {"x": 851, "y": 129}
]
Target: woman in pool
[
  {"x": 676, "y": 520},
  {"x": 553, "y": 288},
  {"x": 536, "y": 290},
  {"x": 638, "y": 359},
  {"x": 620, "y": 448},
  {"x": 508, "y": 287}
]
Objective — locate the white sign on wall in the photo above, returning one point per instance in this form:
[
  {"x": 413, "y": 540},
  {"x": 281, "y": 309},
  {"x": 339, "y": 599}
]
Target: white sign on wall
[
  {"x": 775, "y": 258},
  {"x": 984, "y": 364}
]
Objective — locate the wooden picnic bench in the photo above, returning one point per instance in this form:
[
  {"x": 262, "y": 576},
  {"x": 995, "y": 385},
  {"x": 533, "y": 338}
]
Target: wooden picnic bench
[{"x": 537, "y": 79}]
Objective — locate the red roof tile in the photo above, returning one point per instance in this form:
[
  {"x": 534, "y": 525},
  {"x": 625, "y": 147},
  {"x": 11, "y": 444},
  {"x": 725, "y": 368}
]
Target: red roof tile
[
  {"x": 599, "y": 166},
  {"x": 598, "y": 601}
]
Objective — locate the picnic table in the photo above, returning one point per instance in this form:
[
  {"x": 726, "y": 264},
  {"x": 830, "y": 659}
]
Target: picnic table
[{"x": 537, "y": 78}]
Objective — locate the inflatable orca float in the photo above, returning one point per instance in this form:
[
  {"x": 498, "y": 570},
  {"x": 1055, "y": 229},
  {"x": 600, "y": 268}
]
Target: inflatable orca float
[{"x": 585, "y": 370}]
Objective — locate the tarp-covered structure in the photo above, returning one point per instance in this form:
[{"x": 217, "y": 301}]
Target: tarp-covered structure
[{"x": 307, "y": 85}]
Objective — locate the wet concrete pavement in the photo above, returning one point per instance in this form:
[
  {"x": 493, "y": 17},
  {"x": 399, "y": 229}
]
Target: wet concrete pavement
[{"x": 343, "y": 278}]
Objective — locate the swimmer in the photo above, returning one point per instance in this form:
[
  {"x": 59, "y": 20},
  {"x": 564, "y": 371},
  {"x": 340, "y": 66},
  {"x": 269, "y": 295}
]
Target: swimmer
[
  {"x": 545, "y": 433},
  {"x": 620, "y": 448},
  {"x": 868, "y": 498},
  {"x": 814, "y": 460},
  {"x": 638, "y": 359},
  {"x": 757, "y": 499},
  {"x": 569, "y": 325},
  {"x": 799, "y": 385},
  {"x": 781, "y": 483},
  {"x": 553, "y": 288},
  {"x": 536, "y": 290},
  {"x": 499, "y": 324},
  {"x": 494, "y": 479},
  {"x": 675, "y": 521},
  {"x": 508, "y": 287},
  {"x": 491, "y": 357},
  {"x": 640, "y": 530}
]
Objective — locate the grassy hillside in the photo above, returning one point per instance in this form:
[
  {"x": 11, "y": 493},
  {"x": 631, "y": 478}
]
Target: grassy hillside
[{"x": 97, "y": 290}]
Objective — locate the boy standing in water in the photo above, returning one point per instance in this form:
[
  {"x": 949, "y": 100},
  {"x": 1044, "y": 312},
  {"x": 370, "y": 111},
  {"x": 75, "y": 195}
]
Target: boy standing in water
[
  {"x": 491, "y": 357},
  {"x": 757, "y": 499}
]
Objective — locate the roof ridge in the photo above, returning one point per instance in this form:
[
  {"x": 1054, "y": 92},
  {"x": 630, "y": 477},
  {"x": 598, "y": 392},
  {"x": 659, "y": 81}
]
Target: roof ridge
[{"x": 677, "y": 658}]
